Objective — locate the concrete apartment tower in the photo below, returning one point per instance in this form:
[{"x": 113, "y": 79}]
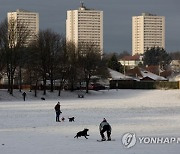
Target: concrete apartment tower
[
  {"x": 85, "y": 25},
  {"x": 29, "y": 19},
  {"x": 148, "y": 30}
]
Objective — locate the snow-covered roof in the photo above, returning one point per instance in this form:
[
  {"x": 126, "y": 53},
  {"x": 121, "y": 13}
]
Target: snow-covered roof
[
  {"x": 144, "y": 73},
  {"x": 117, "y": 75},
  {"x": 153, "y": 76}
]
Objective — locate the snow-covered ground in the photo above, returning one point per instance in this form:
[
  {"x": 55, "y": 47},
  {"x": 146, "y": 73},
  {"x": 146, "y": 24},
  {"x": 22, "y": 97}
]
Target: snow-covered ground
[{"x": 29, "y": 127}]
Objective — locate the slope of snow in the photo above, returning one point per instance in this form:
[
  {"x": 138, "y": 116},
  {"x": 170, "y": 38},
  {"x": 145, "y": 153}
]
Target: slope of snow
[{"x": 29, "y": 127}]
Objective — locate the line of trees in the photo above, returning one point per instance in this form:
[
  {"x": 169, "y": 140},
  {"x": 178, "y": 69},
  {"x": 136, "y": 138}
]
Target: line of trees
[{"x": 48, "y": 58}]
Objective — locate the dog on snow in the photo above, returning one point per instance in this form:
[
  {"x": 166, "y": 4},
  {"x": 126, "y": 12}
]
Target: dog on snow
[
  {"x": 63, "y": 119},
  {"x": 42, "y": 98},
  {"x": 82, "y": 133},
  {"x": 71, "y": 119}
]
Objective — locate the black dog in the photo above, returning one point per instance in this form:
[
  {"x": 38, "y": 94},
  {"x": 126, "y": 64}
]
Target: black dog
[
  {"x": 82, "y": 133},
  {"x": 71, "y": 119},
  {"x": 42, "y": 98},
  {"x": 63, "y": 119}
]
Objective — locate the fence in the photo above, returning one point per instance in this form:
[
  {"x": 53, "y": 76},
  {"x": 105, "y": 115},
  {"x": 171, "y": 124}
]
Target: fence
[{"x": 131, "y": 84}]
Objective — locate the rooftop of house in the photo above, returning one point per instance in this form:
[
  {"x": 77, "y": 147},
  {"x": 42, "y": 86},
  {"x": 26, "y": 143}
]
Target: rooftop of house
[
  {"x": 131, "y": 58},
  {"x": 143, "y": 73},
  {"x": 117, "y": 75}
]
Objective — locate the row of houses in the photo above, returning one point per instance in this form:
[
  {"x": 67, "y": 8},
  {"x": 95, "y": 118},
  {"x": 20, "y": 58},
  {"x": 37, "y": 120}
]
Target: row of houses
[
  {"x": 137, "y": 74},
  {"x": 133, "y": 63}
]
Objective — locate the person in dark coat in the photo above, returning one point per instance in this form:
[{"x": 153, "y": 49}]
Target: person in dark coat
[
  {"x": 24, "y": 95},
  {"x": 58, "y": 111},
  {"x": 105, "y": 127}
]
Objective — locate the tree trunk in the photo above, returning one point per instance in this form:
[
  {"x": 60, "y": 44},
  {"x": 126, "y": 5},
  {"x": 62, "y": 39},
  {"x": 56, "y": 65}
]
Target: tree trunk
[
  {"x": 20, "y": 79},
  {"x": 11, "y": 84},
  {"x": 87, "y": 85},
  {"x": 52, "y": 84},
  {"x": 30, "y": 82},
  {"x": 61, "y": 85},
  {"x": 60, "y": 88},
  {"x": 44, "y": 86},
  {"x": 72, "y": 86},
  {"x": 35, "y": 89}
]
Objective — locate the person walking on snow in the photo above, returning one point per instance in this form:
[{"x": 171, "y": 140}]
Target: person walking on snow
[
  {"x": 58, "y": 111},
  {"x": 105, "y": 127},
  {"x": 24, "y": 95}
]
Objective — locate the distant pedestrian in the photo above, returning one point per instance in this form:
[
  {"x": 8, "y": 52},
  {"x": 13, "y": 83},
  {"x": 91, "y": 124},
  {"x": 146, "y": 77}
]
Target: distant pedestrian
[
  {"x": 58, "y": 111},
  {"x": 24, "y": 96}
]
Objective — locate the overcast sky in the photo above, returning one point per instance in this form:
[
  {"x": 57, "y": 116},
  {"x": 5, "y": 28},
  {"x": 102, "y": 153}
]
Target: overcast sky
[{"x": 117, "y": 17}]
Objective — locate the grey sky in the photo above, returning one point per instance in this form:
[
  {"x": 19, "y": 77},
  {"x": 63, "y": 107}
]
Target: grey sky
[{"x": 117, "y": 17}]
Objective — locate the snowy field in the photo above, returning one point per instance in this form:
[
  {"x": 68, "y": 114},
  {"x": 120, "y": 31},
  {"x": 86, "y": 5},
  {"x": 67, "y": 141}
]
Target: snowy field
[{"x": 29, "y": 127}]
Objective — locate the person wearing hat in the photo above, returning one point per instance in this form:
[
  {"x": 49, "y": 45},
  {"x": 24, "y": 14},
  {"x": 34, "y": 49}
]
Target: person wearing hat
[
  {"x": 58, "y": 111},
  {"x": 105, "y": 127}
]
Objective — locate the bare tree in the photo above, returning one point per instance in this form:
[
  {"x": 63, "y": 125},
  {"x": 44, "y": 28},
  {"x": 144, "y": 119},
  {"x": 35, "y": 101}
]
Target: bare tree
[
  {"x": 63, "y": 66},
  {"x": 48, "y": 47},
  {"x": 2, "y": 63},
  {"x": 14, "y": 35},
  {"x": 72, "y": 65},
  {"x": 32, "y": 68},
  {"x": 2, "y": 60},
  {"x": 3, "y": 45},
  {"x": 89, "y": 60},
  {"x": 54, "y": 54}
]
